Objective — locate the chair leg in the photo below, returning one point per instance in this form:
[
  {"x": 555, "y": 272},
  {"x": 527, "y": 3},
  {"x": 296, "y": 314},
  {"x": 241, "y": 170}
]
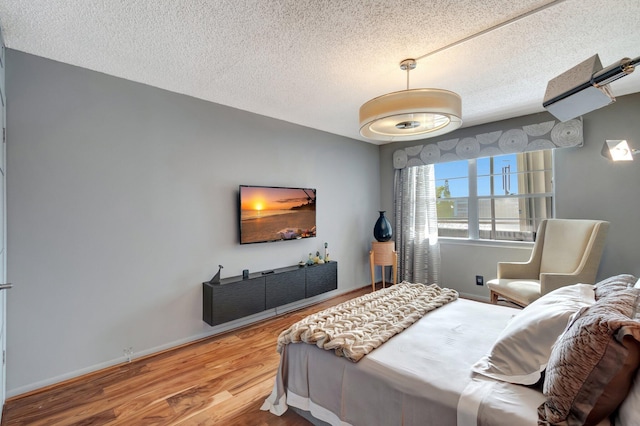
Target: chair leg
[{"x": 494, "y": 297}]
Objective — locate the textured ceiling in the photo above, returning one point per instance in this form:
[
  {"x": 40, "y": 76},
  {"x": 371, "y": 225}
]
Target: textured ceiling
[{"x": 314, "y": 62}]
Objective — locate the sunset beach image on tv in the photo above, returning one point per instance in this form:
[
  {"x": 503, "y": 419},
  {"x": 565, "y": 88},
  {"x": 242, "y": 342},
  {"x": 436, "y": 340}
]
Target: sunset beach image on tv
[{"x": 276, "y": 213}]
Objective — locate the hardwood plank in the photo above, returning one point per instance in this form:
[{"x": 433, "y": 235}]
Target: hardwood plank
[
  {"x": 232, "y": 406},
  {"x": 221, "y": 380}
]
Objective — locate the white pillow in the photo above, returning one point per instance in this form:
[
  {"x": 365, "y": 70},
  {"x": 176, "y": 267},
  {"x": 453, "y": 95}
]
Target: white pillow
[
  {"x": 523, "y": 348},
  {"x": 628, "y": 411}
]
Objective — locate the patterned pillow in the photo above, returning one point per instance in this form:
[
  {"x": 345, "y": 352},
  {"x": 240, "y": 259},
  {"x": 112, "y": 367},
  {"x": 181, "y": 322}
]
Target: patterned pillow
[
  {"x": 613, "y": 284},
  {"x": 631, "y": 406},
  {"x": 600, "y": 344}
]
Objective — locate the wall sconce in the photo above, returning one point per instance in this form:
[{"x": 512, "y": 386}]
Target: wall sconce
[{"x": 618, "y": 150}]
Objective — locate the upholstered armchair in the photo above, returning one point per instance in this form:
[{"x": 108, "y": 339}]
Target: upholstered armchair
[{"x": 566, "y": 251}]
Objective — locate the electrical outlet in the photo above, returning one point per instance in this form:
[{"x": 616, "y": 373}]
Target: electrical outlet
[
  {"x": 479, "y": 280},
  {"x": 128, "y": 353}
]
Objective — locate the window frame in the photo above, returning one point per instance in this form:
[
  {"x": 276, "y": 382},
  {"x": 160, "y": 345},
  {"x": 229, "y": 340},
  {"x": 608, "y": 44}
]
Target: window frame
[{"x": 473, "y": 199}]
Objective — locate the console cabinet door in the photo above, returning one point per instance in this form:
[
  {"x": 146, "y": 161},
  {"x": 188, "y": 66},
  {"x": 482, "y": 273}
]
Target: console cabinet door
[
  {"x": 237, "y": 300},
  {"x": 321, "y": 278},
  {"x": 285, "y": 288}
]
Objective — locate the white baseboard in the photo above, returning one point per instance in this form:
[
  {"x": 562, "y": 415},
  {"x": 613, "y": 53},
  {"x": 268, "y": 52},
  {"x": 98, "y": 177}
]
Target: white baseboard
[{"x": 219, "y": 329}]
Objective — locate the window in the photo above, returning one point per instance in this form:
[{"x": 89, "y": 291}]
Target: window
[{"x": 495, "y": 198}]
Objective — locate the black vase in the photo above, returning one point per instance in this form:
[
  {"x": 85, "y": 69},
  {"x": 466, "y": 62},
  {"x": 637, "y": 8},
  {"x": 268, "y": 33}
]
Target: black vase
[{"x": 382, "y": 229}]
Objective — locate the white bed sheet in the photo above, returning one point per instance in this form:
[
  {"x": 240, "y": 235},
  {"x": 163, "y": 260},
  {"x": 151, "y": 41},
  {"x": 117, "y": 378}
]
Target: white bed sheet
[{"x": 421, "y": 376}]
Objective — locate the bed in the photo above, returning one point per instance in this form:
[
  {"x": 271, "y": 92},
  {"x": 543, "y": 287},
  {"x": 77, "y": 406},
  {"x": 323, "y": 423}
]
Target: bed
[{"x": 449, "y": 367}]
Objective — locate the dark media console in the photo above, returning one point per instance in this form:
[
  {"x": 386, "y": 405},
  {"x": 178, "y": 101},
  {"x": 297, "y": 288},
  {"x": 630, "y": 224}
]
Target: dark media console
[{"x": 236, "y": 297}]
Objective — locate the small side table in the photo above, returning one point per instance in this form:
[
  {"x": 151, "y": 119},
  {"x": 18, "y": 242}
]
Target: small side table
[{"x": 383, "y": 254}]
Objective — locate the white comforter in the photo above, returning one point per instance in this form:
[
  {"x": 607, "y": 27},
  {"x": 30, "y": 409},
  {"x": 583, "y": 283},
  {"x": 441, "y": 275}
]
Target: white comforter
[{"x": 421, "y": 376}]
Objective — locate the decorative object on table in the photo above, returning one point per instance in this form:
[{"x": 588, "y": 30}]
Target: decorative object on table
[
  {"x": 302, "y": 263},
  {"x": 382, "y": 229},
  {"x": 320, "y": 260},
  {"x": 216, "y": 277},
  {"x": 245, "y": 274},
  {"x": 326, "y": 251},
  {"x": 310, "y": 261},
  {"x": 317, "y": 257}
]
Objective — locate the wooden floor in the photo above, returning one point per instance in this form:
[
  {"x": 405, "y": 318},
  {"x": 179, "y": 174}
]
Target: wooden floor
[{"x": 217, "y": 381}]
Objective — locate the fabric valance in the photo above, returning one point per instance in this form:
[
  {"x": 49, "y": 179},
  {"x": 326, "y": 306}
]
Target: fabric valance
[{"x": 532, "y": 137}]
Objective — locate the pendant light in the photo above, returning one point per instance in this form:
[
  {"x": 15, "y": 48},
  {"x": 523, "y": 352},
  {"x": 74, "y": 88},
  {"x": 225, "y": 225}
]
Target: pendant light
[{"x": 410, "y": 114}]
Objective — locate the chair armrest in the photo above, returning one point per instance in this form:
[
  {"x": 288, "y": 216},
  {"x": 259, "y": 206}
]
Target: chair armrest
[
  {"x": 553, "y": 281},
  {"x": 513, "y": 270}
]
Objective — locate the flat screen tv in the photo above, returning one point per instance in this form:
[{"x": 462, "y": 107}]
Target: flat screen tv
[{"x": 269, "y": 213}]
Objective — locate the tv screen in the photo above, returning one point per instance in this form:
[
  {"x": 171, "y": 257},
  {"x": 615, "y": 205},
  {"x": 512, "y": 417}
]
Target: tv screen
[{"x": 270, "y": 213}]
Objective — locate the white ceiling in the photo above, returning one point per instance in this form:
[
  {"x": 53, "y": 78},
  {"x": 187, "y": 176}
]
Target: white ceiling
[{"x": 314, "y": 62}]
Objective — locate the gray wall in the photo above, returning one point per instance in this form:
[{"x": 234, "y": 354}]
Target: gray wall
[
  {"x": 121, "y": 200},
  {"x": 588, "y": 186}
]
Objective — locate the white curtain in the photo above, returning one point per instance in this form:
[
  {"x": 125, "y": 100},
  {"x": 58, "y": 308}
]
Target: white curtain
[{"x": 416, "y": 224}]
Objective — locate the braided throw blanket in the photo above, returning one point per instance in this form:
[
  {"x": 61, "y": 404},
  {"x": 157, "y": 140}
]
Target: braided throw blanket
[{"x": 358, "y": 326}]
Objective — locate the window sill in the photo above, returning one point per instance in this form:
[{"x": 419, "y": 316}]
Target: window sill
[{"x": 485, "y": 243}]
